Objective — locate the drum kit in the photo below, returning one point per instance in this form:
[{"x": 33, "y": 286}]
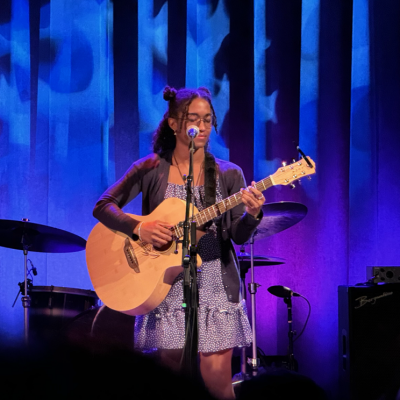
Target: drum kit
[
  {"x": 27, "y": 236},
  {"x": 276, "y": 218}
]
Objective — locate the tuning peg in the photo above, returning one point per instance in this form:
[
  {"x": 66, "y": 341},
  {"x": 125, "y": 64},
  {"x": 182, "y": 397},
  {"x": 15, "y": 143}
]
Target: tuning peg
[
  {"x": 293, "y": 160},
  {"x": 292, "y": 186},
  {"x": 309, "y": 177},
  {"x": 284, "y": 163}
]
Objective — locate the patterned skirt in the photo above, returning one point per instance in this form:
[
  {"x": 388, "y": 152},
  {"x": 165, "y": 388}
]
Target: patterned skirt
[{"x": 222, "y": 324}]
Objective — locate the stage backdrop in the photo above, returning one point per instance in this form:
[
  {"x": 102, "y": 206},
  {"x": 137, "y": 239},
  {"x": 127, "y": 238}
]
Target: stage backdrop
[{"x": 81, "y": 93}]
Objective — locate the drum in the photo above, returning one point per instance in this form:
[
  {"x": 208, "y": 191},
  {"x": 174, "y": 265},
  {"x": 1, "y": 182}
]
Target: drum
[
  {"x": 100, "y": 326},
  {"x": 53, "y": 307}
]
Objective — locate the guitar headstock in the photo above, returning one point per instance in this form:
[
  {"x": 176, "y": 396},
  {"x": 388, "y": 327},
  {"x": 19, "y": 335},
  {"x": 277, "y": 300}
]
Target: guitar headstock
[{"x": 290, "y": 173}]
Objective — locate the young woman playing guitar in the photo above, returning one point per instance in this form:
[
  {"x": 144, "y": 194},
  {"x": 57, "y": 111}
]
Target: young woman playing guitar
[{"x": 223, "y": 322}]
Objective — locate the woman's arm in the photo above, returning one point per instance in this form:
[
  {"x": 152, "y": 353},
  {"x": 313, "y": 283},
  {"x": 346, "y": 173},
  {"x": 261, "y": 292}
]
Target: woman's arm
[{"x": 108, "y": 209}]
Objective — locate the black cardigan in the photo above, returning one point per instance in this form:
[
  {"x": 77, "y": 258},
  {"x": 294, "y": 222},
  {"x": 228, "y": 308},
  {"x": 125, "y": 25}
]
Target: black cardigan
[{"x": 149, "y": 175}]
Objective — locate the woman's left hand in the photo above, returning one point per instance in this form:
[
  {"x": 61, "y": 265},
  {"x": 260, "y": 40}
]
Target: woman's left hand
[{"x": 253, "y": 199}]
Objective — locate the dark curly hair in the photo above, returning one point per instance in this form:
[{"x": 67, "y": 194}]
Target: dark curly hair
[{"x": 164, "y": 140}]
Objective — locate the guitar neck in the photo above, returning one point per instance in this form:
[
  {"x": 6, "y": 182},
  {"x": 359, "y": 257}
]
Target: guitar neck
[{"x": 221, "y": 207}]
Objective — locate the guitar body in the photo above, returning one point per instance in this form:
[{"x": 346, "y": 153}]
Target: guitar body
[{"x": 131, "y": 276}]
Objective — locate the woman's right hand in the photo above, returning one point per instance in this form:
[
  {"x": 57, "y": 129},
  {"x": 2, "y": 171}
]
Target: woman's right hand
[{"x": 157, "y": 233}]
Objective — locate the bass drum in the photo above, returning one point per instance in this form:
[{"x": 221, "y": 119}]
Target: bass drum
[
  {"x": 53, "y": 307},
  {"x": 101, "y": 326}
]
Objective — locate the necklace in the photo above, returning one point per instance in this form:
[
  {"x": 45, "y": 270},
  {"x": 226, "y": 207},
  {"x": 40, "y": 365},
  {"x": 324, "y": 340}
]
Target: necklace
[{"x": 198, "y": 177}]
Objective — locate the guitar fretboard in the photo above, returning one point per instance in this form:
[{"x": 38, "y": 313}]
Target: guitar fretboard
[{"x": 221, "y": 207}]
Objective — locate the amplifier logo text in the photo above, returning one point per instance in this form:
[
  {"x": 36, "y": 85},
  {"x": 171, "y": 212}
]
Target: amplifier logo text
[{"x": 363, "y": 299}]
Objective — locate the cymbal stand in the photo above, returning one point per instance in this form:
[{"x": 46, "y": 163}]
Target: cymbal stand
[
  {"x": 243, "y": 363},
  {"x": 26, "y": 300},
  {"x": 254, "y": 362}
]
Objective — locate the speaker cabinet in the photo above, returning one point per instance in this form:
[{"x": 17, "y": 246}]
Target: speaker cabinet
[{"x": 369, "y": 341}]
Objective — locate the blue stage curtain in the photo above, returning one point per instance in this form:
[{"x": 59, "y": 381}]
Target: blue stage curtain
[{"x": 81, "y": 94}]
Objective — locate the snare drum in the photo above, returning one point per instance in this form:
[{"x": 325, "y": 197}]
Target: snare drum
[{"x": 52, "y": 307}]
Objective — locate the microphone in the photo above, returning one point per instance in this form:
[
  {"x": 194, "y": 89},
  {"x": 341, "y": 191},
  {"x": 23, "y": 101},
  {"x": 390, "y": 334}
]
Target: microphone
[
  {"x": 282, "y": 291},
  {"x": 34, "y": 270},
  {"x": 192, "y": 131}
]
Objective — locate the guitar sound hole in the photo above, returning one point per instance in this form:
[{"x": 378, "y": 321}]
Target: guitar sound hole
[{"x": 165, "y": 247}]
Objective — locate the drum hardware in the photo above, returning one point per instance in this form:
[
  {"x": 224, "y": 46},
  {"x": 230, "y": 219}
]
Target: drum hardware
[
  {"x": 29, "y": 284},
  {"x": 245, "y": 260},
  {"x": 276, "y": 218},
  {"x": 27, "y": 236},
  {"x": 22, "y": 289}
]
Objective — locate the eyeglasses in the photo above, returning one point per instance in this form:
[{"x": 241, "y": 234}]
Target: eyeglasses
[{"x": 195, "y": 119}]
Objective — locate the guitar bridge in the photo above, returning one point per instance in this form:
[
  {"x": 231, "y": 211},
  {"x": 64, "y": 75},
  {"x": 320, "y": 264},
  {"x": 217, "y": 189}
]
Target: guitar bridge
[{"x": 130, "y": 256}]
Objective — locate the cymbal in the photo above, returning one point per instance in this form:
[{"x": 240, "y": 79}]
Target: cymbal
[
  {"x": 259, "y": 261},
  {"x": 278, "y": 217},
  {"x": 39, "y": 238}
]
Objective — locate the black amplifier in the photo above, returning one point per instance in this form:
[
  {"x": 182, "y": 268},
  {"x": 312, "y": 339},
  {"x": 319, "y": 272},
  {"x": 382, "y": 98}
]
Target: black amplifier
[{"x": 369, "y": 341}]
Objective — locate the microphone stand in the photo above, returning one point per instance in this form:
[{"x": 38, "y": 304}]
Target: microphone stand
[
  {"x": 291, "y": 360},
  {"x": 287, "y": 294},
  {"x": 190, "y": 292}
]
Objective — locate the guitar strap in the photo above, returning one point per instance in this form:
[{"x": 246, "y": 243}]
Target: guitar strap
[{"x": 210, "y": 178}]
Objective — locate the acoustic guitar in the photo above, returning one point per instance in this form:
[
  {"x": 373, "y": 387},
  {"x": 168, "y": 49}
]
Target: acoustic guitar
[{"x": 134, "y": 277}]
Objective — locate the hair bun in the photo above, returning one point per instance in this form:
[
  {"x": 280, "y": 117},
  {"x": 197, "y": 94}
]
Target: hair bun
[{"x": 169, "y": 93}]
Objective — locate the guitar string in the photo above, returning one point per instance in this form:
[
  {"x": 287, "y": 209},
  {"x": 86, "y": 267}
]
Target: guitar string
[
  {"x": 227, "y": 203},
  {"x": 262, "y": 185},
  {"x": 266, "y": 183}
]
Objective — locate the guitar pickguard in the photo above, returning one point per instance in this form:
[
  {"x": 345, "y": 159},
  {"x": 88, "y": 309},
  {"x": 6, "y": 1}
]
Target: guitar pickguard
[{"x": 148, "y": 250}]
